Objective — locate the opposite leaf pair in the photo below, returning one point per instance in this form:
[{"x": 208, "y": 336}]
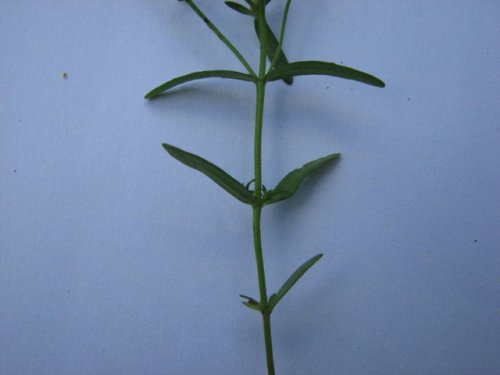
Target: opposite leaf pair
[
  {"x": 285, "y": 189},
  {"x": 286, "y": 71},
  {"x": 279, "y": 69}
]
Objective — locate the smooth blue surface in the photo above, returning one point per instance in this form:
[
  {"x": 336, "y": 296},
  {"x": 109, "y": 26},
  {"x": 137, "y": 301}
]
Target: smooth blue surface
[{"x": 116, "y": 259}]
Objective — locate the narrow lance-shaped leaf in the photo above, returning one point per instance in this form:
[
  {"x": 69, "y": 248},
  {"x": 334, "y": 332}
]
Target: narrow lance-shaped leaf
[
  {"x": 275, "y": 298},
  {"x": 289, "y": 185},
  {"x": 272, "y": 46},
  {"x": 239, "y": 8},
  {"x": 219, "y": 176},
  {"x": 198, "y": 75},
  {"x": 301, "y": 68}
]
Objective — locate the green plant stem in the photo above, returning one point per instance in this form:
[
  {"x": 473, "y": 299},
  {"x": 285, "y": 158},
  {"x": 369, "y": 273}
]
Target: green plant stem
[
  {"x": 266, "y": 319},
  {"x": 257, "y": 212},
  {"x": 257, "y": 209},
  {"x": 259, "y": 258}
]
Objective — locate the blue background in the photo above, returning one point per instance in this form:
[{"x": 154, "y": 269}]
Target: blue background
[{"x": 116, "y": 259}]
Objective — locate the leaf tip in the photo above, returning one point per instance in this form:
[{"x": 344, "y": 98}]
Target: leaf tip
[
  {"x": 151, "y": 94},
  {"x": 168, "y": 148}
]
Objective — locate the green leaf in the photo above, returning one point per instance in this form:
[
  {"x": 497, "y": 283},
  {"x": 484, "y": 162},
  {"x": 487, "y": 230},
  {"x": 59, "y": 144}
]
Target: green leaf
[
  {"x": 220, "y": 177},
  {"x": 251, "y": 303},
  {"x": 289, "y": 185},
  {"x": 239, "y": 8},
  {"x": 198, "y": 75},
  {"x": 301, "y": 68},
  {"x": 275, "y": 298},
  {"x": 272, "y": 46}
]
